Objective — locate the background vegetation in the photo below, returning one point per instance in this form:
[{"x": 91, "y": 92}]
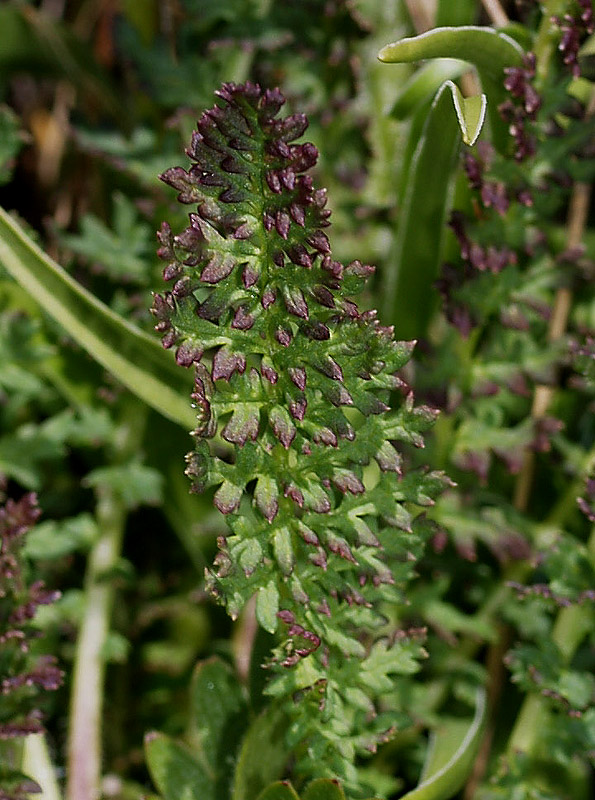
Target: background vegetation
[{"x": 98, "y": 97}]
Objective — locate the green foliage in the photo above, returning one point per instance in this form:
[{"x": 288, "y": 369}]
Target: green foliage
[
  {"x": 452, "y": 752},
  {"x": 122, "y": 250},
  {"x": 116, "y": 343},
  {"x": 372, "y": 599},
  {"x": 488, "y": 50},
  {"x": 415, "y": 260},
  {"x": 300, "y": 378}
]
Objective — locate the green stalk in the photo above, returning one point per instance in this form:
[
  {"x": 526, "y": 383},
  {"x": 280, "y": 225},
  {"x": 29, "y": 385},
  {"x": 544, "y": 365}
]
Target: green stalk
[
  {"x": 37, "y": 763},
  {"x": 84, "y": 739}
]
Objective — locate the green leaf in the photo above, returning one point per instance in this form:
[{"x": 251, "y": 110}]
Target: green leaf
[
  {"x": 125, "y": 251},
  {"x": 489, "y": 51},
  {"x": 131, "y": 355},
  {"x": 324, "y": 789},
  {"x": 470, "y": 113},
  {"x": 588, "y": 47},
  {"x": 280, "y": 790},
  {"x": 283, "y": 549},
  {"x": 423, "y": 85},
  {"x": 262, "y": 756},
  {"x": 267, "y": 606},
  {"x": 23, "y": 453},
  {"x": 218, "y": 720},
  {"x": 409, "y": 296},
  {"x": 135, "y": 483},
  {"x": 175, "y": 771},
  {"x": 452, "y": 750},
  {"x": 52, "y": 539}
]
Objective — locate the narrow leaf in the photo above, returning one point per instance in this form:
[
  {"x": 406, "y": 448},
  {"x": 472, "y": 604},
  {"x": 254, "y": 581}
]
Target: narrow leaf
[
  {"x": 421, "y": 226},
  {"x": 423, "y": 85},
  {"x": 175, "y": 772},
  {"x": 489, "y": 51},
  {"x": 218, "y": 719},
  {"x": 267, "y": 606},
  {"x": 450, "y": 757},
  {"x": 470, "y": 113},
  {"x": 131, "y": 355}
]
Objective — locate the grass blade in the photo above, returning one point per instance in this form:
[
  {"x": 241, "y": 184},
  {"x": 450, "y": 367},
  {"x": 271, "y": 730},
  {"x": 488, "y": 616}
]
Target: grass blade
[
  {"x": 488, "y": 50},
  {"x": 130, "y": 354},
  {"x": 450, "y": 756},
  {"x": 410, "y": 296}
]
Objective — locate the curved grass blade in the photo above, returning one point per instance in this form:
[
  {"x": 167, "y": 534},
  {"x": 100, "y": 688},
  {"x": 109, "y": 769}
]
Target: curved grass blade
[
  {"x": 423, "y": 85},
  {"x": 470, "y": 113},
  {"x": 450, "y": 757},
  {"x": 410, "y": 296},
  {"x": 488, "y": 50},
  {"x": 130, "y": 354}
]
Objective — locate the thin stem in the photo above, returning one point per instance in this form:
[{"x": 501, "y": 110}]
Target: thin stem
[
  {"x": 495, "y": 12},
  {"x": 422, "y": 13},
  {"x": 84, "y": 740},
  {"x": 84, "y": 749},
  {"x": 37, "y": 764}
]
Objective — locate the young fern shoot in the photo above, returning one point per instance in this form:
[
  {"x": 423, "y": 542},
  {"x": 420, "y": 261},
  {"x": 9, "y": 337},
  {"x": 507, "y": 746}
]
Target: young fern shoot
[{"x": 322, "y": 521}]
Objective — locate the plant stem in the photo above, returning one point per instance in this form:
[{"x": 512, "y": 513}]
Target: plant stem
[
  {"x": 422, "y": 13},
  {"x": 495, "y": 12},
  {"x": 84, "y": 749},
  {"x": 84, "y": 739},
  {"x": 37, "y": 764}
]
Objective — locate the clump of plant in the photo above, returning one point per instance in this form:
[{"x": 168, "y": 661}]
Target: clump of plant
[
  {"x": 291, "y": 374},
  {"x": 516, "y": 432}
]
